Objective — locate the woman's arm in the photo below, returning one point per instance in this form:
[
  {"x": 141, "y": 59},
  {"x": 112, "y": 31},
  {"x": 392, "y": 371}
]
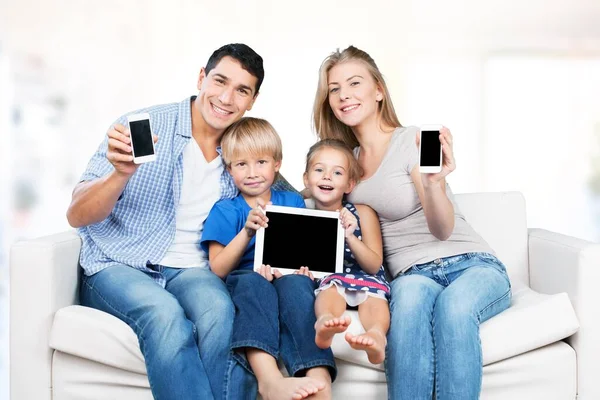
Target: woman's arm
[
  {"x": 368, "y": 252},
  {"x": 431, "y": 189}
]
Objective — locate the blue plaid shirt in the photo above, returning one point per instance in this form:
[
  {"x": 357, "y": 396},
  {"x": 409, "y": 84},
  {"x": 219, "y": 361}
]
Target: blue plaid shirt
[{"x": 141, "y": 227}]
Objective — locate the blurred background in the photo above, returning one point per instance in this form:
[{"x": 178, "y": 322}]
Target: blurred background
[{"x": 516, "y": 82}]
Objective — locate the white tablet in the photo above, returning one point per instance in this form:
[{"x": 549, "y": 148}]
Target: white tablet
[{"x": 299, "y": 237}]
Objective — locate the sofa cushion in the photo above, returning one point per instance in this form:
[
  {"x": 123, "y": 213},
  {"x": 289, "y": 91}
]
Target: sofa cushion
[{"x": 533, "y": 320}]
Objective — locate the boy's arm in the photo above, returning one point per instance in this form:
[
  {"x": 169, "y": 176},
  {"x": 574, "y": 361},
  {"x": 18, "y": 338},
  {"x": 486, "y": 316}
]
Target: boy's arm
[
  {"x": 224, "y": 259},
  {"x": 369, "y": 251}
]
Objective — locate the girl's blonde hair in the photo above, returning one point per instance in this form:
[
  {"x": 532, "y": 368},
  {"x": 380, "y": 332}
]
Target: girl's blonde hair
[
  {"x": 355, "y": 171},
  {"x": 326, "y": 125},
  {"x": 250, "y": 136}
]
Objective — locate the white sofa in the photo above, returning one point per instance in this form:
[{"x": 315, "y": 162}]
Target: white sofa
[{"x": 544, "y": 346}]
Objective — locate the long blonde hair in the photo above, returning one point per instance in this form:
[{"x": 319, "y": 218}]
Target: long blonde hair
[{"x": 326, "y": 125}]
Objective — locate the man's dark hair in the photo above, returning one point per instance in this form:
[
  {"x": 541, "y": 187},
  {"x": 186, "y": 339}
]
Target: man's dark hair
[{"x": 248, "y": 58}]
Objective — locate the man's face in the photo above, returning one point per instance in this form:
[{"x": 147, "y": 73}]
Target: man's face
[{"x": 226, "y": 93}]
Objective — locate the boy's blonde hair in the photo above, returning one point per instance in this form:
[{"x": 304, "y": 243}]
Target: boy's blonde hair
[
  {"x": 250, "y": 136},
  {"x": 355, "y": 171}
]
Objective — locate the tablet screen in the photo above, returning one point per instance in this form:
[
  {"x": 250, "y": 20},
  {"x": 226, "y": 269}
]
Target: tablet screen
[{"x": 292, "y": 241}]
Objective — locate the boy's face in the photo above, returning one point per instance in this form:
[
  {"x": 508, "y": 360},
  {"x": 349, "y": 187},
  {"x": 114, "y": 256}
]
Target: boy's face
[
  {"x": 226, "y": 93},
  {"x": 253, "y": 175},
  {"x": 327, "y": 177}
]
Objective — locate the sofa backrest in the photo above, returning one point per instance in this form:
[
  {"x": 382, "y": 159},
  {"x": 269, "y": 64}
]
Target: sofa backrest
[{"x": 501, "y": 219}]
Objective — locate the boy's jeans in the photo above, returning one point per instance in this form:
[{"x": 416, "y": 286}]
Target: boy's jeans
[
  {"x": 278, "y": 318},
  {"x": 184, "y": 331},
  {"x": 434, "y": 334}
]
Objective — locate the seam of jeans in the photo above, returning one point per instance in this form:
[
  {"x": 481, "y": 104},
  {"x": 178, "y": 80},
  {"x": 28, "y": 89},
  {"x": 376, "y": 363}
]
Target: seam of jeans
[
  {"x": 312, "y": 364},
  {"x": 432, "y": 381},
  {"x": 124, "y": 316},
  {"x": 230, "y": 363},
  {"x": 499, "y": 299},
  {"x": 255, "y": 344}
]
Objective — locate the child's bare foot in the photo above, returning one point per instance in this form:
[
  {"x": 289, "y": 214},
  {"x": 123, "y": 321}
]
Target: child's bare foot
[
  {"x": 373, "y": 342},
  {"x": 281, "y": 388},
  {"x": 322, "y": 374},
  {"x": 327, "y": 326}
]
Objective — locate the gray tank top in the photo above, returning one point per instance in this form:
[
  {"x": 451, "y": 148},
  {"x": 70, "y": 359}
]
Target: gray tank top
[{"x": 391, "y": 193}]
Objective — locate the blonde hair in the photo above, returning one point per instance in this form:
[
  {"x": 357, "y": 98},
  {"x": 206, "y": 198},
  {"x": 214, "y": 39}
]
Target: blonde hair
[
  {"x": 250, "y": 136},
  {"x": 326, "y": 125},
  {"x": 355, "y": 171}
]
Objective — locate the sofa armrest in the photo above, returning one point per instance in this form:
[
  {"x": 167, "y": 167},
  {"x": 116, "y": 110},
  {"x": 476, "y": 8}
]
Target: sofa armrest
[
  {"x": 560, "y": 263},
  {"x": 43, "y": 279}
]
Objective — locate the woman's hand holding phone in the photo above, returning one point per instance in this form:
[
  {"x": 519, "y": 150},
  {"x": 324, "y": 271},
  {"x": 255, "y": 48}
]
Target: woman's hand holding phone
[{"x": 448, "y": 161}]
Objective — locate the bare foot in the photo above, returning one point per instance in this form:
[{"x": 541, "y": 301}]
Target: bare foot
[
  {"x": 327, "y": 326},
  {"x": 373, "y": 342},
  {"x": 324, "y": 394},
  {"x": 290, "y": 388},
  {"x": 322, "y": 374}
]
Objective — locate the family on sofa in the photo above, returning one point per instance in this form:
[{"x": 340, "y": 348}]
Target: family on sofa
[{"x": 168, "y": 248}]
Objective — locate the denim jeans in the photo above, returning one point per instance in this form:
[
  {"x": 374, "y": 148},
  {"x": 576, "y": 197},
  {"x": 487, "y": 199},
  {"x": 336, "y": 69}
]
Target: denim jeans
[
  {"x": 184, "y": 331},
  {"x": 277, "y": 318},
  {"x": 436, "y": 309}
]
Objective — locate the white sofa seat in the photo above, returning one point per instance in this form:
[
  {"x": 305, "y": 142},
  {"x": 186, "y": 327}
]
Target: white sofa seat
[
  {"x": 63, "y": 351},
  {"x": 534, "y": 320}
]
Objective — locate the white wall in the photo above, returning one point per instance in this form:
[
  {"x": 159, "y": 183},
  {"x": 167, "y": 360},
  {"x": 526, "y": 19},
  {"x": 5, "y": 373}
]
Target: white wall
[{"x": 104, "y": 58}]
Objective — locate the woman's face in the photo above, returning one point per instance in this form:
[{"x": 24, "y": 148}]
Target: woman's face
[{"x": 353, "y": 93}]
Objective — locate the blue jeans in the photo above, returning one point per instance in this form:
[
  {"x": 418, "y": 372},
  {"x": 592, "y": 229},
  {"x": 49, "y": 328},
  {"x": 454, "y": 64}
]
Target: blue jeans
[
  {"x": 277, "y": 318},
  {"x": 436, "y": 309},
  {"x": 184, "y": 331}
]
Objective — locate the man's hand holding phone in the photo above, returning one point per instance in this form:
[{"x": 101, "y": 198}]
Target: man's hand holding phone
[{"x": 120, "y": 151}]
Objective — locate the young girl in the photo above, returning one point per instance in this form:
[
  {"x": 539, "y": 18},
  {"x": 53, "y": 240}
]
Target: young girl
[
  {"x": 331, "y": 173},
  {"x": 273, "y": 317}
]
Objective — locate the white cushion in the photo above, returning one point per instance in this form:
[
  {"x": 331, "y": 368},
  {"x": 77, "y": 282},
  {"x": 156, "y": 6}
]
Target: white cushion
[{"x": 533, "y": 320}]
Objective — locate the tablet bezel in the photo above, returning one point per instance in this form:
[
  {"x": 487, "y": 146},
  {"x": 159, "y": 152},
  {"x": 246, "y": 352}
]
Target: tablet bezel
[{"x": 339, "y": 254}]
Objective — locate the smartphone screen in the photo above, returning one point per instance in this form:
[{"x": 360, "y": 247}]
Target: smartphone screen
[
  {"x": 141, "y": 138},
  {"x": 430, "y": 149}
]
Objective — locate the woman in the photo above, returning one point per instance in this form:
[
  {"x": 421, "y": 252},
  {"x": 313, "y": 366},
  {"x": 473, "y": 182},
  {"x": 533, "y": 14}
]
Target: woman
[{"x": 446, "y": 278}]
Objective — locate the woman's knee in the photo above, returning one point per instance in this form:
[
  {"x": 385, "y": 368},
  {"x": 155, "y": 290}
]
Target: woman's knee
[{"x": 413, "y": 294}]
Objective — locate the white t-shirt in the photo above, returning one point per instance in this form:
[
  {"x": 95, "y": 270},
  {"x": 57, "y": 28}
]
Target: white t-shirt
[{"x": 199, "y": 192}]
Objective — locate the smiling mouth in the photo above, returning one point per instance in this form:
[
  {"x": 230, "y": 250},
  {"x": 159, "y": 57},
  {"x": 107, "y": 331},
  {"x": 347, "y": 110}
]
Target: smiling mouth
[
  {"x": 326, "y": 188},
  {"x": 350, "y": 108},
  {"x": 221, "y": 111}
]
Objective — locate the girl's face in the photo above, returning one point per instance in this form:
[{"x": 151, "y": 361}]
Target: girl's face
[
  {"x": 353, "y": 93},
  {"x": 327, "y": 177}
]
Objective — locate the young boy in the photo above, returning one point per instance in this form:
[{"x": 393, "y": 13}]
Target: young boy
[{"x": 267, "y": 314}]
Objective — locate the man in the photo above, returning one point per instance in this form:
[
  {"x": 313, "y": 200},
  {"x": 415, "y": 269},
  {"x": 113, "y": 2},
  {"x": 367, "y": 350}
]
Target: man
[{"x": 141, "y": 224}]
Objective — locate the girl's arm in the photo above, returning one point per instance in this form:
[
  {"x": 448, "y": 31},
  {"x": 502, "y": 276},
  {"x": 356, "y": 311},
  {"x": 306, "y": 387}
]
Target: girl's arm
[
  {"x": 431, "y": 189},
  {"x": 368, "y": 252}
]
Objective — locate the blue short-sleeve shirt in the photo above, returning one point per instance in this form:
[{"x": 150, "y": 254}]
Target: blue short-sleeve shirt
[{"x": 228, "y": 217}]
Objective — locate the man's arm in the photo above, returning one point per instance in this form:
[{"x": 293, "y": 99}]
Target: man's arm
[{"x": 94, "y": 200}]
